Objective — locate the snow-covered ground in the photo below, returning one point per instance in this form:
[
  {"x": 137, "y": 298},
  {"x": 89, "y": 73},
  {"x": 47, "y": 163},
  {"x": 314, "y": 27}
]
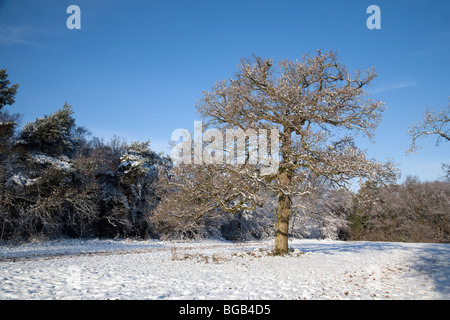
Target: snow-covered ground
[{"x": 316, "y": 269}]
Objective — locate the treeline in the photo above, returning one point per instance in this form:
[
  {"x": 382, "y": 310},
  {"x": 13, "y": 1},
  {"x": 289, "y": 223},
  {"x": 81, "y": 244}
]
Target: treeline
[
  {"x": 58, "y": 181},
  {"x": 413, "y": 211}
]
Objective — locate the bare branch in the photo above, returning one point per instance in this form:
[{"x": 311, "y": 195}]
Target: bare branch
[{"x": 437, "y": 124}]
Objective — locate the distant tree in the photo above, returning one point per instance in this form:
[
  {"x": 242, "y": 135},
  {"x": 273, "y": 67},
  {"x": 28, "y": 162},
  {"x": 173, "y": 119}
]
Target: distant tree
[
  {"x": 446, "y": 168},
  {"x": 308, "y": 101},
  {"x": 136, "y": 183},
  {"x": 8, "y": 122},
  {"x": 52, "y": 134},
  {"x": 323, "y": 214},
  {"x": 136, "y": 161},
  {"x": 413, "y": 211},
  {"x": 128, "y": 188},
  {"x": 7, "y": 92},
  {"x": 433, "y": 124},
  {"x": 192, "y": 195}
]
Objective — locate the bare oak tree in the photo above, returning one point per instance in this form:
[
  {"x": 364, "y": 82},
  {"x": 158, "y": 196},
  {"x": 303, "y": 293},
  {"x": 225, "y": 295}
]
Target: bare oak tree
[
  {"x": 309, "y": 102},
  {"x": 313, "y": 103}
]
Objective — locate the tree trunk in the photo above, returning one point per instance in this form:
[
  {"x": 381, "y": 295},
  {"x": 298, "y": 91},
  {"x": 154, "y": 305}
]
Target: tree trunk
[
  {"x": 282, "y": 225},
  {"x": 284, "y": 200}
]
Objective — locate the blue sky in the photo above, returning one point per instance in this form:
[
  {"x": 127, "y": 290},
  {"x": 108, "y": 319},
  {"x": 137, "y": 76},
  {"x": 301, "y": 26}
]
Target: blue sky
[{"x": 136, "y": 68}]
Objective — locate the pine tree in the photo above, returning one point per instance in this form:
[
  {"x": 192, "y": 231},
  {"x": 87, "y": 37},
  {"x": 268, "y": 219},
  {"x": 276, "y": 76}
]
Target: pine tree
[
  {"x": 51, "y": 134},
  {"x": 8, "y": 122},
  {"x": 7, "y": 93}
]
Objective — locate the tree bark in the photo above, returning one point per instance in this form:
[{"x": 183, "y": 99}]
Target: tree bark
[
  {"x": 282, "y": 225},
  {"x": 284, "y": 200}
]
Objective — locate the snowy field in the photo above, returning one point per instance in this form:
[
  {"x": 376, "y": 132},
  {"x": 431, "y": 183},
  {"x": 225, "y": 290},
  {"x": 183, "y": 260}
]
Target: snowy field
[{"x": 316, "y": 269}]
